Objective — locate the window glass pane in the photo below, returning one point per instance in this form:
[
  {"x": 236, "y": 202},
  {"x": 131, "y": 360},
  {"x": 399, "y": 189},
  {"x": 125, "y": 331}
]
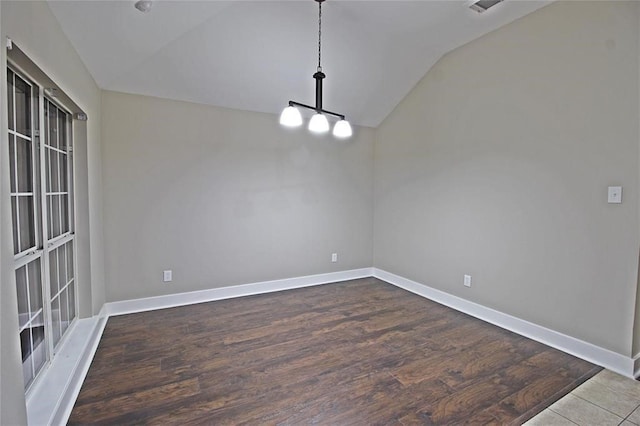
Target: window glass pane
[
  {"x": 64, "y": 199},
  {"x": 27, "y": 224},
  {"x": 69, "y": 248},
  {"x": 53, "y": 273},
  {"x": 49, "y": 221},
  {"x": 72, "y": 301},
  {"x": 25, "y": 346},
  {"x": 62, "y": 267},
  {"x": 64, "y": 311},
  {"x": 23, "y": 301},
  {"x": 35, "y": 287},
  {"x": 23, "y": 107},
  {"x": 47, "y": 169},
  {"x": 63, "y": 172},
  {"x": 10, "y": 99},
  {"x": 62, "y": 130},
  {"x": 52, "y": 115},
  {"x": 46, "y": 123},
  {"x": 14, "y": 216},
  {"x": 55, "y": 215},
  {"x": 25, "y": 162},
  {"x": 39, "y": 352},
  {"x": 37, "y": 192},
  {"x": 12, "y": 163},
  {"x": 25, "y": 343},
  {"x": 55, "y": 320},
  {"x": 55, "y": 164},
  {"x": 35, "y": 95}
]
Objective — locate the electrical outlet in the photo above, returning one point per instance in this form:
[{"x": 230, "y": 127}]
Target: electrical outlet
[
  {"x": 334, "y": 257},
  {"x": 467, "y": 280},
  {"x": 614, "y": 195},
  {"x": 167, "y": 275}
]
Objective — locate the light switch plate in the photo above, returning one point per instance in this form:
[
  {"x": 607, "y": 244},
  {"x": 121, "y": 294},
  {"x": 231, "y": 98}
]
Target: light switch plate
[{"x": 614, "y": 195}]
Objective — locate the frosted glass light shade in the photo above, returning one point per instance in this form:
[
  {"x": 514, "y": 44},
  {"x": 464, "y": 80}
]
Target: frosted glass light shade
[
  {"x": 342, "y": 129},
  {"x": 291, "y": 117},
  {"x": 319, "y": 123}
]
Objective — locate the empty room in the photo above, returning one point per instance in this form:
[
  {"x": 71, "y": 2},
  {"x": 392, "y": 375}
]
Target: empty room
[{"x": 320, "y": 212}]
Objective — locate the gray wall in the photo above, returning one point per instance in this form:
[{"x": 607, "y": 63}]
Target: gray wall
[
  {"x": 636, "y": 327},
  {"x": 34, "y": 29},
  {"x": 225, "y": 197},
  {"x": 497, "y": 165}
]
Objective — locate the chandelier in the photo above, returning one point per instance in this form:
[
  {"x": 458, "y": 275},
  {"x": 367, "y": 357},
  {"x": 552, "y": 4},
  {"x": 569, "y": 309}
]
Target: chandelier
[{"x": 319, "y": 123}]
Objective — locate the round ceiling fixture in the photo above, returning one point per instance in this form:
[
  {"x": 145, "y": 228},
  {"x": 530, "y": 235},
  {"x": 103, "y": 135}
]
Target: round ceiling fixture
[{"x": 143, "y": 5}]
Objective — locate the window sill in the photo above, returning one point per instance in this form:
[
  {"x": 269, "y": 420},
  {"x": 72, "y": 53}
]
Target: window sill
[{"x": 51, "y": 399}]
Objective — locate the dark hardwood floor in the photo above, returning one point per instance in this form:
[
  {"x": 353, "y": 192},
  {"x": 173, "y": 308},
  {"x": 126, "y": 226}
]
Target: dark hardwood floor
[{"x": 357, "y": 352}]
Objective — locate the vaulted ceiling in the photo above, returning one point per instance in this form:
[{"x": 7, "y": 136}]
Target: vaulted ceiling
[{"x": 257, "y": 55}]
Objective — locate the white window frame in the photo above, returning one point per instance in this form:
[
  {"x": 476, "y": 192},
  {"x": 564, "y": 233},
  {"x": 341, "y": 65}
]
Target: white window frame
[{"x": 43, "y": 245}]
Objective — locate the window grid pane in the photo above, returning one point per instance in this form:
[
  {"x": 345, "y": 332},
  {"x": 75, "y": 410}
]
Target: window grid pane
[
  {"x": 54, "y": 215},
  {"x": 24, "y": 161},
  {"x": 52, "y": 124},
  {"x": 69, "y": 247},
  {"x": 31, "y": 319},
  {"x": 26, "y": 222},
  {"x": 58, "y": 176},
  {"x": 12, "y": 164},
  {"x": 64, "y": 312},
  {"x": 35, "y": 288},
  {"x": 55, "y": 164},
  {"x": 62, "y": 267},
  {"x": 64, "y": 214},
  {"x": 62, "y": 170},
  {"x": 53, "y": 273},
  {"x": 55, "y": 321},
  {"x": 22, "y": 107},
  {"x": 63, "y": 295},
  {"x": 23, "y": 296},
  {"x": 14, "y": 216},
  {"x": 72, "y": 301},
  {"x": 10, "y": 99}
]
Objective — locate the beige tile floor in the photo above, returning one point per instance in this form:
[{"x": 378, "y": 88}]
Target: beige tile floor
[{"x": 606, "y": 399}]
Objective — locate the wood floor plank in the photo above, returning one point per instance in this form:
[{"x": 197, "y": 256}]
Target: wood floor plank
[{"x": 357, "y": 352}]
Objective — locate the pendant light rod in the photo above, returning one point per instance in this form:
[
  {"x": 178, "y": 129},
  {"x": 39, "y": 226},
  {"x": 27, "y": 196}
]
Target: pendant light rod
[
  {"x": 319, "y": 76},
  {"x": 323, "y": 111}
]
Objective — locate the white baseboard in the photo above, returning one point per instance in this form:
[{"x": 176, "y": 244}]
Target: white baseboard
[
  {"x": 192, "y": 297},
  {"x": 587, "y": 351},
  {"x": 636, "y": 366}
]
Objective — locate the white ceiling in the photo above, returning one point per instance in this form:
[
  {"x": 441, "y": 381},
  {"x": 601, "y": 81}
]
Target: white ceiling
[{"x": 258, "y": 55}]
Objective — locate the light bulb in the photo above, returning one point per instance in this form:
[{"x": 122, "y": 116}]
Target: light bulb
[
  {"x": 319, "y": 123},
  {"x": 291, "y": 117},
  {"x": 342, "y": 129}
]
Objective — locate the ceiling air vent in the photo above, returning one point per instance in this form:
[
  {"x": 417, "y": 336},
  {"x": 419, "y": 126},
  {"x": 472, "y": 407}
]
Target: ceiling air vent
[{"x": 482, "y": 5}]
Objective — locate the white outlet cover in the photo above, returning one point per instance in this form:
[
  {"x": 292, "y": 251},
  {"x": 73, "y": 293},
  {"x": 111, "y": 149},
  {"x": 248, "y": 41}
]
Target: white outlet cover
[
  {"x": 167, "y": 276},
  {"x": 614, "y": 195},
  {"x": 334, "y": 257},
  {"x": 467, "y": 280}
]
